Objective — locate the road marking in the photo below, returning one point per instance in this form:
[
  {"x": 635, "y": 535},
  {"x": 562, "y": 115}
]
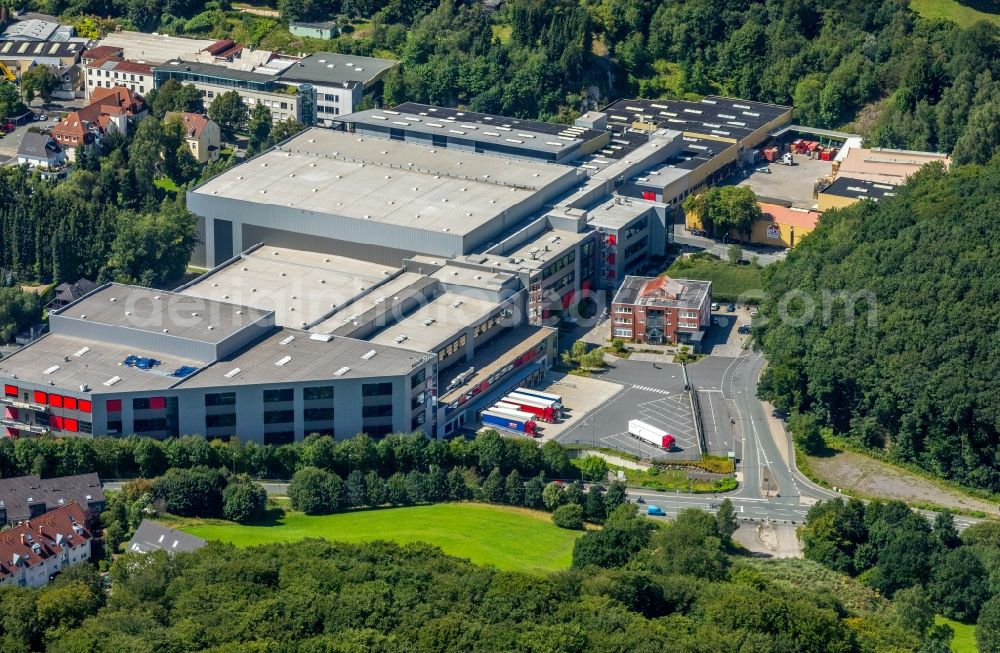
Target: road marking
[{"x": 648, "y": 389}]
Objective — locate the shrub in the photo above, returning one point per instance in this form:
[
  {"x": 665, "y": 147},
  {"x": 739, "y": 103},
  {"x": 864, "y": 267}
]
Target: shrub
[
  {"x": 569, "y": 516},
  {"x": 315, "y": 491},
  {"x": 244, "y": 501},
  {"x": 195, "y": 492}
]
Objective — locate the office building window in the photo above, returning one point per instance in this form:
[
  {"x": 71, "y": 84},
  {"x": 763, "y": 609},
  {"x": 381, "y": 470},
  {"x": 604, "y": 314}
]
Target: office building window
[
  {"x": 220, "y": 399},
  {"x": 418, "y": 378},
  {"x": 376, "y": 389},
  {"x": 280, "y": 394},
  {"x": 225, "y": 419},
  {"x": 281, "y": 437},
  {"x": 384, "y": 410},
  {"x": 318, "y": 414},
  {"x": 623, "y": 333},
  {"x": 279, "y": 416},
  {"x": 320, "y": 392}
]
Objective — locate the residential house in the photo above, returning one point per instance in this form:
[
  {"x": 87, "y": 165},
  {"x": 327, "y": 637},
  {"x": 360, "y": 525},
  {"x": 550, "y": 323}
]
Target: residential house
[
  {"x": 661, "y": 310},
  {"x": 67, "y": 293},
  {"x": 27, "y": 497},
  {"x": 41, "y": 151},
  {"x": 201, "y": 134},
  {"x": 34, "y": 551},
  {"x": 110, "y": 108},
  {"x": 153, "y": 536}
]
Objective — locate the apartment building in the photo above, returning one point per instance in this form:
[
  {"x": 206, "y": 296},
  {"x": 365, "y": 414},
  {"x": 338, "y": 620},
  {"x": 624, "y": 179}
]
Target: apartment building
[
  {"x": 661, "y": 310},
  {"x": 34, "y": 551}
]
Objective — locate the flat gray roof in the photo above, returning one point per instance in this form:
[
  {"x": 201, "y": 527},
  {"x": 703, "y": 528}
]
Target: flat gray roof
[
  {"x": 511, "y": 133},
  {"x": 379, "y": 296},
  {"x": 92, "y": 363},
  {"x": 616, "y": 213},
  {"x": 472, "y": 277},
  {"x": 154, "y": 48},
  {"x": 550, "y": 245},
  {"x": 334, "y": 68},
  {"x": 300, "y": 287},
  {"x": 436, "y": 323},
  {"x": 663, "y": 292},
  {"x": 397, "y": 183},
  {"x": 308, "y": 359},
  {"x": 153, "y": 311}
]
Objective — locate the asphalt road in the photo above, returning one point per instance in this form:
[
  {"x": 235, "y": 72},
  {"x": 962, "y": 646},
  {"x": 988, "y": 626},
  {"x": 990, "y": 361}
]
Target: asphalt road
[{"x": 770, "y": 489}]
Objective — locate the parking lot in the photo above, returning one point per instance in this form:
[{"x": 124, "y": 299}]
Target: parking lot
[
  {"x": 650, "y": 391},
  {"x": 718, "y": 422},
  {"x": 792, "y": 184}
]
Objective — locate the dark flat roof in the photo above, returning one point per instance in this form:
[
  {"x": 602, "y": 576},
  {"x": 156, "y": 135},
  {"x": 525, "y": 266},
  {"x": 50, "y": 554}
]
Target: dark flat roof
[
  {"x": 717, "y": 116},
  {"x": 334, "y": 68},
  {"x": 548, "y": 128},
  {"x": 212, "y": 70},
  {"x": 859, "y": 189}
]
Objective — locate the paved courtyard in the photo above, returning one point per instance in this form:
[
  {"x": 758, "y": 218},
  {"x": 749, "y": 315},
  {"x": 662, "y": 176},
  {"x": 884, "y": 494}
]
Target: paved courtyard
[{"x": 792, "y": 184}]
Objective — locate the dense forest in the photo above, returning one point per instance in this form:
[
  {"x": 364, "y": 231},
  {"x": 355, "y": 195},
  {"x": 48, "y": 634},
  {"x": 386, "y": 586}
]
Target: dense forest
[
  {"x": 904, "y": 556},
  {"x": 882, "y": 325},
  {"x": 677, "y": 588},
  {"x": 902, "y": 80}
]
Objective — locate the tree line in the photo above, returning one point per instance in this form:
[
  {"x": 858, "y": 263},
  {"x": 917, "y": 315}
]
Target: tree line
[
  {"x": 926, "y": 568},
  {"x": 142, "y": 457},
  {"x": 674, "y": 586},
  {"x": 879, "y": 326}
]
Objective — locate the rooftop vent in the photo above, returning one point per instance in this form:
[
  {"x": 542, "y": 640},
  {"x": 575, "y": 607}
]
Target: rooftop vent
[
  {"x": 233, "y": 372},
  {"x": 287, "y": 340},
  {"x": 284, "y": 360},
  {"x": 370, "y": 355},
  {"x": 322, "y": 337},
  {"x": 342, "y": 371},
  {"x": 113, "y": 380}
]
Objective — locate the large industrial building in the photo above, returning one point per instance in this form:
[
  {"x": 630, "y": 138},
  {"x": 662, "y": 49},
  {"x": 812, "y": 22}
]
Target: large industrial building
[
  {"x": 369, "y": 198},
  {"x": 124, "y": 360}
]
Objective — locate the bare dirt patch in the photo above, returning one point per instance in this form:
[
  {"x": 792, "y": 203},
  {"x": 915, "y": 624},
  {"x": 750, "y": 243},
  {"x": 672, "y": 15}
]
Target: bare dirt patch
[{"x": 871, "y": 477}]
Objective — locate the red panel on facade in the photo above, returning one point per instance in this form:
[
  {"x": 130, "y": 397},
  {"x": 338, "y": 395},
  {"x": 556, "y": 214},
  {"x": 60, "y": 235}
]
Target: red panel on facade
[
  {"x": 71, "y": 425},
  {"x": 12, "y": 433},
  {"x": 568, "y": 298},
  {"x": 114, "y": 405},
  {"x": 69, "y": 402},
  {"x": 157, "y": 403},
  {"x": 10, "y": 412},
  {"x": 56, "y": 423},
  {"x": 85, "y": 405},
  {"x": 56, "y": 400},
  {"x": 10, "y": 390},
  {"x": 586, "y": 284},
  {"x": 648, "y": 195},
  {"x": 41, "y": 397}
]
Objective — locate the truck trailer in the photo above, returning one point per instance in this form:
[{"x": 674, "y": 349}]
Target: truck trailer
[
  {"x": 554, "y": 400},
  {"x": 538, "y": 407},
  {"x": 650, "y": 434},
  {"x": 509, "y": 421},
  {"x": 543, "y": 395}
]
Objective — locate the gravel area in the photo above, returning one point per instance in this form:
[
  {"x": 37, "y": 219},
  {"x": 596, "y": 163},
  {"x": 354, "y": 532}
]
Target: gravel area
[{"x": 875, "y": 478}]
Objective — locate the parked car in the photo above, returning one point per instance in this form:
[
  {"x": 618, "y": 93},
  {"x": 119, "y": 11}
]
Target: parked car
[
  {"x": 744, "y": 329},
  {"x": 655, "y": 511},
  {"x": 715, "y": 306},
  {"x": 730, "y": 308}
]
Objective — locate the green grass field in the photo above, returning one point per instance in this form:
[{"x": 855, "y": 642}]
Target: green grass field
[
  {"x": 965, "y": 636},
  {"x": 728, "y": 281},
  {"x": 964, "y": 13},
  {"x": 507, "y": 538}
]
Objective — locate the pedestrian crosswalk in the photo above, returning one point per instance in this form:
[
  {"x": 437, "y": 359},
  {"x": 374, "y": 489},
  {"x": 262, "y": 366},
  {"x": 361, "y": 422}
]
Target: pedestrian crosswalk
[{"x": 648, "y": 389}]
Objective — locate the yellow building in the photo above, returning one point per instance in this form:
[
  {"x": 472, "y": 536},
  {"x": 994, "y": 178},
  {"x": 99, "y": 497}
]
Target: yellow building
[
  {"x": 845, "y": 191},
  {"x": 779, "y": 226}
]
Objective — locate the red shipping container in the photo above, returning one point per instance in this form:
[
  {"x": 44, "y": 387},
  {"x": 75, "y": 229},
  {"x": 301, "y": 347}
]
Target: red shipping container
[
  {"x": 157, "y": 403},
  {"x": 114, "y": 405},
  {"x": 41, "y": 397},
  {"x": 69, "y": 402},
  {"x": 85, "y": 405},
  {"x": 10, "y": 390},
  {"x": 71, "y": 425},
  {"x": 56, "y": 400}
]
